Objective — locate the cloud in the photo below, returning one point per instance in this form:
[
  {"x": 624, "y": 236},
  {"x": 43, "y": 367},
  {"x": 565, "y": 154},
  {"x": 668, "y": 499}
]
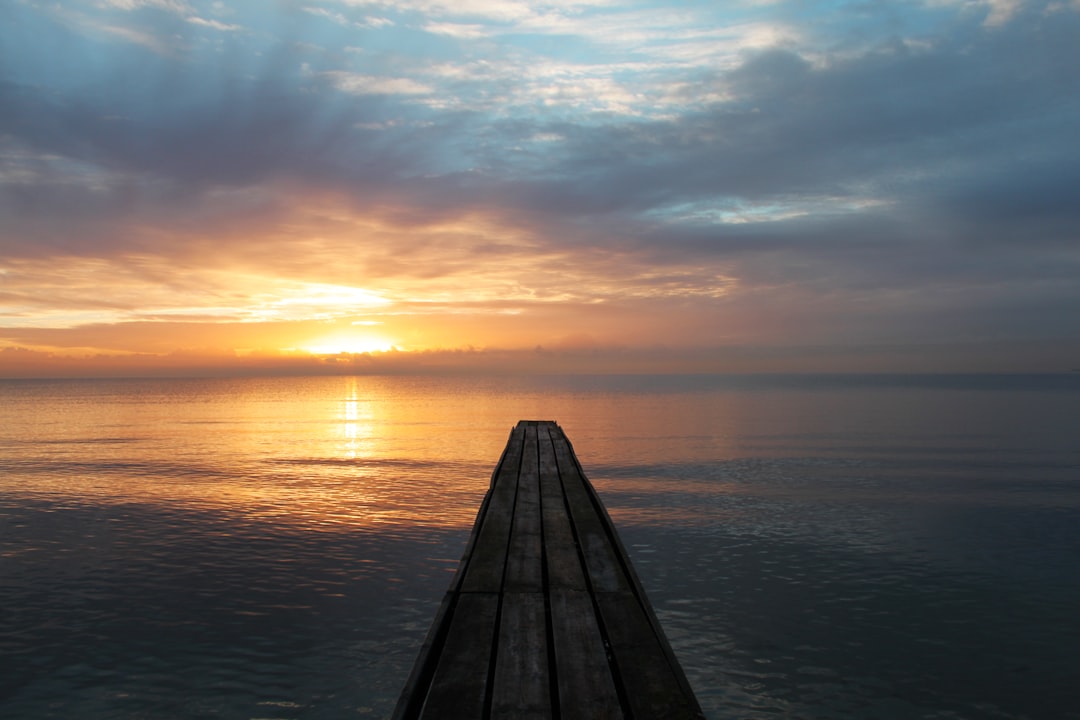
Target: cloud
[
  {"x": 147, "y": 40},
  {"x": 728, "y": 182},
  {"x": 462, "y": 31},
  {"x": 335, "y": 17},
  {"x": 358, "y": 84},
  {"x": 1001, "y": 11},
  {"x": 178, "y": 7},
  {"x": 213, "y": 24}
]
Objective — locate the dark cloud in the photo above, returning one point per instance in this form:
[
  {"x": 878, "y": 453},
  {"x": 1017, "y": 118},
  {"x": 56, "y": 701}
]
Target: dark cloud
[{"x": 888, "y": 120}]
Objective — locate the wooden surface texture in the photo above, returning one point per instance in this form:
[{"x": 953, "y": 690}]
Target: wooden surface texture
[{"x": 545, "y": 617}]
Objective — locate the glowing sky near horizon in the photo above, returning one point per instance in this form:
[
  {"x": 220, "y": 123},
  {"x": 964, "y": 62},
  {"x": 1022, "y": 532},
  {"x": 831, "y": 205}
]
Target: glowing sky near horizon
[{"x": 236, "y": 180}]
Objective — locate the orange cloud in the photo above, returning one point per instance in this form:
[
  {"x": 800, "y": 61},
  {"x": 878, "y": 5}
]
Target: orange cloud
[{"x": 316, "y": 273}]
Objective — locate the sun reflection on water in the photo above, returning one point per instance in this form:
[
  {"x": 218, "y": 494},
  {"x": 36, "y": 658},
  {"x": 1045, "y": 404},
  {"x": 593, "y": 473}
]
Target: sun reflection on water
[
  {"x": 325, "y": 454},
  {"x": 355, "y": 420}
]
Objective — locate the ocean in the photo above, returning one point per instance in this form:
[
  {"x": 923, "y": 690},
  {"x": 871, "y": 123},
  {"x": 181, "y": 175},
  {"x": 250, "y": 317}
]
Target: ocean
[{"x": 814, "y": 546}]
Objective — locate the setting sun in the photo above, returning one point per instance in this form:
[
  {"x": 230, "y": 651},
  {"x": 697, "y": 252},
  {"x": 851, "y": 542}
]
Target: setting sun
[{"x": 337, "y": 344}]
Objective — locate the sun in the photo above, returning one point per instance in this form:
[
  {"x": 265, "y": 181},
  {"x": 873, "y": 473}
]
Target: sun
[{"x": 352, "y": 344}]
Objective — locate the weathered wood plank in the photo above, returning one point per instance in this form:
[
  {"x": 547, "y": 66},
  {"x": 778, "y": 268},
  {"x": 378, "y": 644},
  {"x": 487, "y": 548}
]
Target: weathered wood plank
[
  {"x": 524, "y": 563},
  {"x": 653, "y": 687},
  {"x": 605, "y": 571},
  {"x": 522, "y": 687},
  {"x": 586, "y": 686},
  {"x": 638, "y": 591},
  {"x": 546, "y": 616},
  {"x": 484, "y": 572},
  {"x": 563, "y": 562},
  {"x": 460, "y": 686}
]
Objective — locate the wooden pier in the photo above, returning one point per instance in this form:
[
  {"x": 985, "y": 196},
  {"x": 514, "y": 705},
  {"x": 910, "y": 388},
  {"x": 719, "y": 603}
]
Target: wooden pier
[{"x": 545, "y": 617}]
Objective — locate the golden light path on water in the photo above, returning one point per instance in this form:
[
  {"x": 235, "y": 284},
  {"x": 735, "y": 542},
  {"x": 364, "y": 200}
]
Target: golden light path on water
[
  {"x": 337, "y": 453},
  {"x": 331, "y": 453},
  {"x": 393, "y": 454}
]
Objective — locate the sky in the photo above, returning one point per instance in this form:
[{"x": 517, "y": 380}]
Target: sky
[{"x": 563, "y": 186}]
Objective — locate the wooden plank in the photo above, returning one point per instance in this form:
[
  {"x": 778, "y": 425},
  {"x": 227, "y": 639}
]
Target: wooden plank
[
  {"x": 601, "y": 562},
  {"x": 484, "y": 572},
  {"x": 524, "y": 563},
  {"x": 522, "y": 687},
  {"x": 637, "y": 588},
  {"x": 653, "y": 687},
  {"x": 546, "y": 616},
  {"x": 460, "y": 686},
  {"x": 586, "y": 686},
  {"x": 563, "y": 561}
]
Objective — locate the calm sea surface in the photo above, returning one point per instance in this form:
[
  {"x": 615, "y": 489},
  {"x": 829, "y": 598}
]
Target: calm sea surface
[{"x": 815, "y": 547}]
